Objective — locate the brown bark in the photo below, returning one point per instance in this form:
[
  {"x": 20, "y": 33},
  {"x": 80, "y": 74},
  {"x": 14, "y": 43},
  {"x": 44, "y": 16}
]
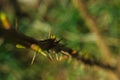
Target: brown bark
[{"x": 93, "y": 27}]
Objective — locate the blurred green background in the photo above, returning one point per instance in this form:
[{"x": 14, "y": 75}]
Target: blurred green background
[{"x": 61, "y": 18}]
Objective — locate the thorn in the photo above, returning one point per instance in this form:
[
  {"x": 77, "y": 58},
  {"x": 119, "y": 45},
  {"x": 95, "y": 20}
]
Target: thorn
[
  {"x": 60, "y": 58},
  {"x": 33, "y": 59},
  {"x": 67, "y": 54},
  {"x": 43, "y": 53},
  {"x": 58, "y": 41},
  {"x": 38, "y": 49},
  {"x": 49, "y": 33},
  {"x": 56, "y": 56},
  {"x": 19, "y": 46},
  {"x": 5, "y": 21},
  {"x": 50, "y": 57},
  {"x": 52, "y": 37}
]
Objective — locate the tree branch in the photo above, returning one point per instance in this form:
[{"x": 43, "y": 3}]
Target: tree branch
[
  {"x": 92, "y": 25},
  {"x": 14, "y": 37}
]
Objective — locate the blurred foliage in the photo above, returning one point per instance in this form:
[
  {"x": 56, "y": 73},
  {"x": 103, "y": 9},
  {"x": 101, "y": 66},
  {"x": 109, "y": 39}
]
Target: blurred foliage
[{"x": 62, "y": 19}]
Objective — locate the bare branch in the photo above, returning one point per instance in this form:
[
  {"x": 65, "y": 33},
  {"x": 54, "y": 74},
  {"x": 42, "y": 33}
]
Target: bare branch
[{"x": 92, "y": 25}]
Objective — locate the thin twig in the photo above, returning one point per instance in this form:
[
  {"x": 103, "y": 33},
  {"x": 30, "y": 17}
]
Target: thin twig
[{"x": 93, "y": 27}]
